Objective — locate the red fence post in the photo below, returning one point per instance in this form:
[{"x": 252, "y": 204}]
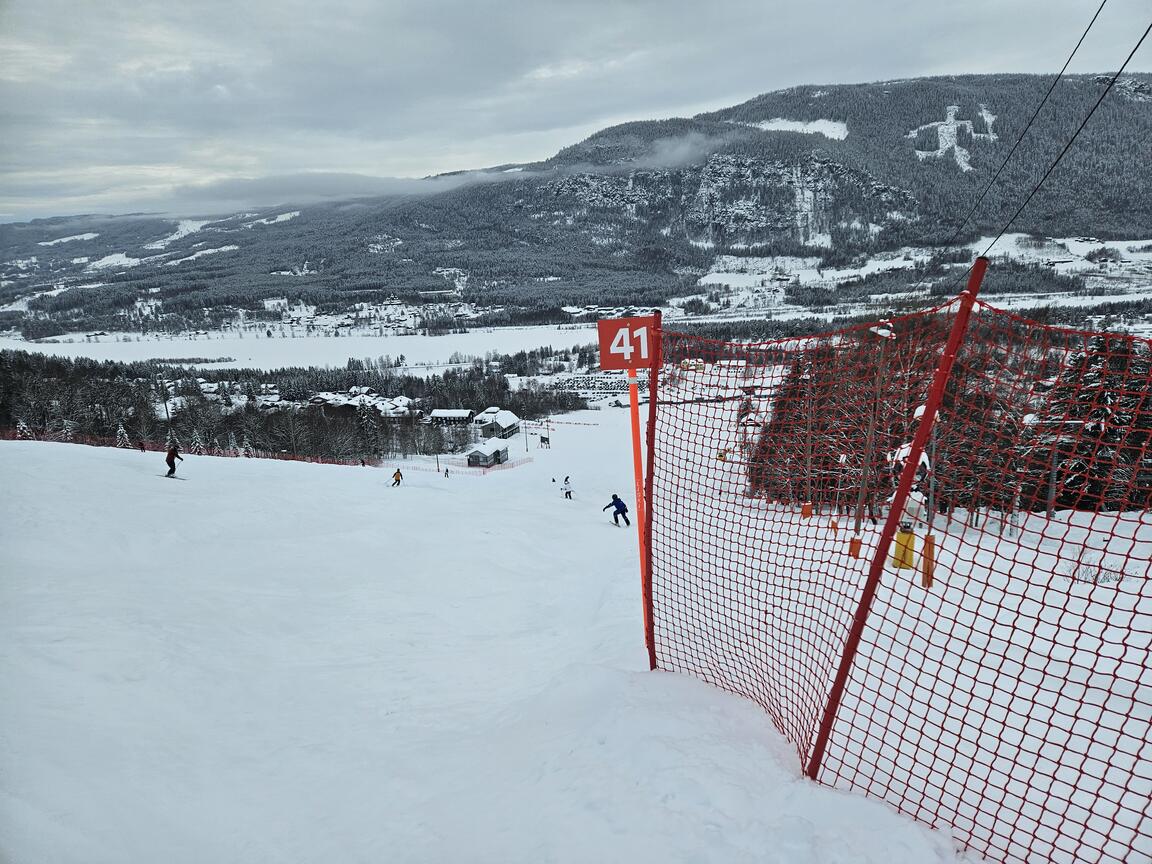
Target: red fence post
[
  {"x": 935, "y": 394},
  {"x": 653, "y": 379}
]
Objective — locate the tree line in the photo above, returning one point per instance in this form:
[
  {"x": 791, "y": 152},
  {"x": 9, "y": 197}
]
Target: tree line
[
  {"x": 1032, "y": 418},
  {"x": 61, "y": 398}
]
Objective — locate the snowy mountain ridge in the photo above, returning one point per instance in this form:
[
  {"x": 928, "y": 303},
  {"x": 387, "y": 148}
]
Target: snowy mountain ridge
[{"x": 847, "y": 171}]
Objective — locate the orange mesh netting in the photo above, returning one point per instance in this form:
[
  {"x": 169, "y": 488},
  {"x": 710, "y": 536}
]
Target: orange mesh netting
[{"x": 981, "y": 660}]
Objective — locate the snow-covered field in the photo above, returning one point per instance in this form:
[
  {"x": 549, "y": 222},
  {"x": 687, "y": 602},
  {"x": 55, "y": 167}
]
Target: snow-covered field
[
  {"x": 270, "y": 353},
  {"x": 837, "y": 129},
  {"x": 86, "y": 236},
  {"x": 287, "y": 662}
]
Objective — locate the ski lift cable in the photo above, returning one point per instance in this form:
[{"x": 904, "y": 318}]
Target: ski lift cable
[
  {"x": 1027, "y": 126},
  {"x": 1068, "y": 146}
]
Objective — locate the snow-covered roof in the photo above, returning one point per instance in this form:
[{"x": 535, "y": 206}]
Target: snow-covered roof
[
  {"x": 506, "y": 418},
  {"x": 329, "y": 399},
  {"x": 489, "y": 447},
  {"x": 502, "y": 417},
  {"x": 462, "y": 413}
]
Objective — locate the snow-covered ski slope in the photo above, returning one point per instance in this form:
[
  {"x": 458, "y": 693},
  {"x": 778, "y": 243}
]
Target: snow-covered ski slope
[{"x": 286, "y": 662}]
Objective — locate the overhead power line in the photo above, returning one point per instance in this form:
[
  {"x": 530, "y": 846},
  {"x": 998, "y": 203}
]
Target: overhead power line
[
  {"x": 1027, "y": 126},
  {"x": 1068, "y": 146}
]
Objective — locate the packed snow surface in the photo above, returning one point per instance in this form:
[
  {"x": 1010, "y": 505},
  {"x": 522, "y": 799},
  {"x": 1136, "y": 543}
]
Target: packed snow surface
[{"x": 289, "y": 662}]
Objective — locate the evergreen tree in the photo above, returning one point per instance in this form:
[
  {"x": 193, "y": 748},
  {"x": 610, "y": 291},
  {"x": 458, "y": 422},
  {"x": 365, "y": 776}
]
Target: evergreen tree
[
  {"x": 1101, "y": 412},
  {"x": 197, "y": 445},
  {"x": 122, "y": 436},
  {"x": 171, "y": 440},
  {"x": 22, "y": 431},
  {"x": 368, "y": 427},
  {"x": 246, "y": 447},
  {"x": 233, "y": 447}
]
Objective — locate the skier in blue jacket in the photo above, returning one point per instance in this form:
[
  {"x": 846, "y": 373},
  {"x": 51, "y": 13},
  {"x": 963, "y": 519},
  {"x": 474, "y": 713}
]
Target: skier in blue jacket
[{"x": 621, "y": 510}]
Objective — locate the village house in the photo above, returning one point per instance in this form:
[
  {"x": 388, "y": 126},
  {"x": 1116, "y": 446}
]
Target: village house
[
  {"x": 496, "y": 423},
  {"x": 450, "y": 416},
  {"x": 395, "y": 407},
  {"x": 494, "y": 451}
]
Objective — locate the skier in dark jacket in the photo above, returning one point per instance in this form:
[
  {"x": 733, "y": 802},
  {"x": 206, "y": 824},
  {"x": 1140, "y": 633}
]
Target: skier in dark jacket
[
  {"x": 621, "y": 510},
  {"x": 173, "y": 455}
]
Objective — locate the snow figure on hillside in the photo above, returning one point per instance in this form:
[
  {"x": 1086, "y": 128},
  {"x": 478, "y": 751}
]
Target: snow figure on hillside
[
  {"x": 946, "y": 136},
  {"x": 397, "y": 477},
  {"x": 621, "y": 510},
  {"x": 122, "y": 437},
  {"x": 566, "y": 488},
  {"x": 23, "y": 433},
  {"x": 173, "y": 455}
]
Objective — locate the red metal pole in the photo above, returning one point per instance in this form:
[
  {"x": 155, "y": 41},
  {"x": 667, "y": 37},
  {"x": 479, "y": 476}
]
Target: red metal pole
[
  {"x": 653, "y": 380},
  {"x": 935, "y": 394},
  {"x": 637, "y": 464}
]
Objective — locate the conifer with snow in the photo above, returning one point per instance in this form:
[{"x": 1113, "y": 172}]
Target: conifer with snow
[
  {"x": 246, "y": 447},
  {"x": 233, "y": 447},
  {"x": 367, "y": 427},
  {"x": 197, "y": 445},
  {"x": 122, "y": 436},
  {"x": 22, "y": 431},
  {"x": 171, "y": 440}
]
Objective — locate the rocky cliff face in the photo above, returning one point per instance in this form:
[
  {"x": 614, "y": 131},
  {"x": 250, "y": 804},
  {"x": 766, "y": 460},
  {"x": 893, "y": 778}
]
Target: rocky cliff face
[{"x": 734, "y": 200}]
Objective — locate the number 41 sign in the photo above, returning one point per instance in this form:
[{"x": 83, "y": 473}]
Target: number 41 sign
[{"x": 626, "y": 343}]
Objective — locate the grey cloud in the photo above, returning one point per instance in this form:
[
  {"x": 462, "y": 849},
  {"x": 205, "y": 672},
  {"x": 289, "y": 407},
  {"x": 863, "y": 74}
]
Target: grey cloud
[{"x": 186, "y": 92}]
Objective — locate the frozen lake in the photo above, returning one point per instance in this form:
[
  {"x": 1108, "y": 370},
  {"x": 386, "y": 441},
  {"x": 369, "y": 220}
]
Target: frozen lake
[{"x": 270, "y": 353}]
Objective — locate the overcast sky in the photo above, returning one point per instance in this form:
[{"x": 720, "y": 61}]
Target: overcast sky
[{"x": 116, "y": 105}]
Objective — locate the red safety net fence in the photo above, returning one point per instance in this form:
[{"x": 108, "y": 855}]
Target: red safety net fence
[{"x": 952, "y": 616}]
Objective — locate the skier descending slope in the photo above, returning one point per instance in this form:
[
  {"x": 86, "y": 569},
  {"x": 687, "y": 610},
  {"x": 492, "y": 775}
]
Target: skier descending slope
[
  {"x": 397, "y": 477},
  {"x": 173, "y": 455},
  {"x": 566, "y": 488},
  {"x": 621, "y": 510}
]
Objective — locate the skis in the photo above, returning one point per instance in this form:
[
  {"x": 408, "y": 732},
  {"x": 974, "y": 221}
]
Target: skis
[{"x": 171, "y": 476}]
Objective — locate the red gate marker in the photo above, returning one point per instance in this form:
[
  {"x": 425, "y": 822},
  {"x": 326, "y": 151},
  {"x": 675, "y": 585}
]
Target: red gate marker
[{"x": 627, "y": 344}]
